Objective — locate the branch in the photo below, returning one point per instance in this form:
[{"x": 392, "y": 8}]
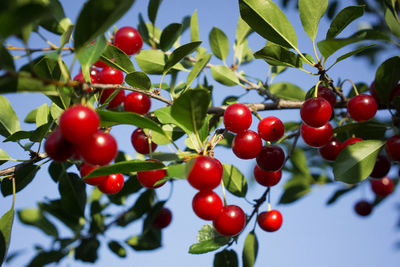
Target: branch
[{"x": 11, "y": 170}]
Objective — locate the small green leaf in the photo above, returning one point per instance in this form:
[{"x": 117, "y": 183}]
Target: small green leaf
[
  {"x": 46, "y": 257},
  {"x": 35, "y": 217},
  {"x": 153, "y": 62},
  {"x": 24, "y": 174},
  {"x": 234, "y": 181},
  {"x": 209, "y": 240},
  {"x": 6, "y": 60},
  {"x": 87, "y": 250},
  {"x": 9, "y": 122},
  {"x": 287, "y": 91},
  {"x": 169, "y": 36},
  {"x": 197, "y": 68},
  {"x": 148, "y": 240},
  {"x": 91, "y": 54},
  {"x": 177, "y": 171},
  {"x": 219, "y": 43},
  {"x": 226, "y": 258},
  {"x": 299, "y": 161},
  {"x": 295, "y": 188},
  {"x": 42, "y": 115},
  {"x": 194, "y": 28},
  {"x": 349, "y": 54},
  {"x": 152, "y": 10},
  {"x": 224, "y": 75},
  {"x": 344, "y": 18},
  {"x": 56, "y": 21},
  {"x": 138, "y": 79},
  {"x": 277, "y": 55},
  {"x": 242, "y": 31},
  {"x": 126, "y": 167},
  {"x": 392, "y": 23},
  {"x": 4, "y": 156},
  {"x": 339, "y": 193},
  {"x": 179, "y": 53},
  {"x": 250, "y": 250},
  {"x": 355, "y": 162},
  {"x": 6, "y": 222},
  {"x": 329, "y": 46},
  {"x": 311, "y": 11},
  {"x": 73, "y": 194},
  {"x": 116, "y": 247},
  {"x": 56, "y": 209},
  {"x": 117, "y": 59},
  {"x": 386, "y": 78},
  {"x": 142, "y": 205}
]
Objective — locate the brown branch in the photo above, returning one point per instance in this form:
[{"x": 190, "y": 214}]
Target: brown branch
[
  {"x": 32, "y": 50},
  {"x": 11, "y": 170}
]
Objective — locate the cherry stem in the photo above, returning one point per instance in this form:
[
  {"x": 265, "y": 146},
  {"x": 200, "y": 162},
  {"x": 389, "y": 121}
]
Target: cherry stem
[
  {"x": 354, "y": 86},
  {"x": 223, "y": 192},
  {"x": 316, "y": 88}
]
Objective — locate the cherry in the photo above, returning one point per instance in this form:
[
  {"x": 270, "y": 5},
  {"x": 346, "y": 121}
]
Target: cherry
[
  {"x": 149, "y": 178},
  {"x": 382, "y": 187},
  {"x": 270, "y": 221},
  {"x": 163, "y": 218},
  {"x": 85, "y": 169},
  {"x": 117, "y": 99},
  {"x": 271, "y": 158},
  {"x": 362, "y": 107},
  {"x": 237, "y": 118},
  {"x": 381, "y": 168},
  {"x": 204, "y": 173},
  {"x": 327, "y": 94},
  {"x": 316, "y": 112},
  {"x": 78, "y": 123},
  {"x": 100, "y": 149},
  {"x": 140, "y": 142},
  {"x": 109, "y": 75},
  {"x": 316, "y": 137},
  {"x": 247, "y": 145},
  {"x": 230, "y": 221},
  {"x": 57, "y": 148},
  {"x": 392, "y": 147},
  {"x": 112, "y": 185},
  {"x": 350, "y": 141},
  {"x": 270, "y": 128},
  {"x": 331, "y": 150},
  {"x": 100, "y": 64},
  {"x": 137, "y": 102},
  {"x": 267, "y": 178},
  {"x": 207, "y": 204},
  {"x": 363, "y": 208},
  {"x": 128, "y": 40}
]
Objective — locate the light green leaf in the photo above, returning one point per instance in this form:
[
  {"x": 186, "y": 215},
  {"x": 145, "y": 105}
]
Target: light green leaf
[
  {"x": 197, "y": 68},
  {"x": 329, "y": 46},
  {"x": 277, "y": 55},
  {"x": 224, "y": 75},
  {"x": 153, "y": 62},
  {"x": 194, "y": 28},
  {"x": 287, "y": 91},
  {"x": 35, "y": 217},
  {"x": 234, "y": 181},
  {"x": 4, "y": 156},
  {"x": 56, "y": 21},
  {"x": 9, "y": 122},
  {"x": 179, "y": 53},
  {"x": 178, "y": 171},
  {"x": 6, "y": 222},
  {"x": 219, "y": 43},
  {"x": 138, "y": 79},
  {"x": 209, "y": 240},
  {"x": 311, "y": 11},
  {"x": 164, "y": 115},
  {"x": 242, "y": 31},
  {"x": 344, "y": 18},
  {"x": 42, "y": 115},
  {"x": 117, "y": 59},
  {"x": 89, "y": 55},
  {"x": 392, "y": 23},
  {"x": 250, "y": 250}
]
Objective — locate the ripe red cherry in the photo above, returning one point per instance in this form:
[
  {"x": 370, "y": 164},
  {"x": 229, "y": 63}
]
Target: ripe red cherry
[
  {"x": 85, "y": 169},
  {"x": 117, "y": 99},
  {"x": 112, "y": 185},
  {"x": 109, "y": 75},
  {"x": 204, "y": 173},
  {"x": 247, "y": 145},
  {"x": 362, "y": 107},
  {"x": 271, "y": 158},
  {"x": 78, "y": 123},
  {"x": 57, "y": 148},
  {"x": 327, "y": 94},
  {"x": 382, "y": 187},
  {"x": 264, "y": 178},
  {"x": 270, "y": 221},
  {"x": 363, "y": 208},
  {"x": 128, "y": 40},
  {"x": 350, "y": 141},
  {"x": 207, "y": 205},
  {"x": 381, "y": 168},
  {"x": 163, "y": 218},
  {"x": 100, "y": 64},
  {"x": 331, "y": 150},
  {"x": 100, "y": 149},
  {"x": 149, "y": 178},
  {"x": 237, "y": 118},
  {"x": 270, "y": 128},
  {"x": 316, "y": 112},
  {"x": 316, "y": 137},
  {"x": 392, "y": 147},
  {"x": 140, "y": 142},
  {"x": 230, "y": 221},
  {"x": 137, "y": 102}
]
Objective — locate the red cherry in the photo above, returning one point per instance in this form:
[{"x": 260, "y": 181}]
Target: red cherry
[
  {"x": 381, "y": 168},
  {"x": 204, "y": 173},
  {"x": 117, "y": 99},
  {"x": 163, "y": 218},
  {"x": 109, "y": 75},
  {"x": 363, "y": 208},
  {"x": 331, "y": 150},
  {"x": 382, "y": 187},
  {"x": 271, "y": 158},
  {"x": 270, "y": 128},
  {"x": 327, "y": 94},
  {"x": 267, "y": 178},
  {"x": 112, "y": 185},
  {"x": 207, "y": 205},
  {"x": 316, "y": 112},
  {"x": 137, "y": 102},
  {"x": 140, "y": 142},
  {"x": 57, "y": 148},
  {"x": 362, "y": 107},
  {"x": 237, "y": 118},
  {"x": 230, "y": 221},
  {"x": 392, "y": 147},
  {"x": 85, "y": 169},
  {"x": 149, "y": 178},
  {"x": 350, "y": 141},
  {"x": 247, "y": 145},
  {"x": 128, "y": 40},
  {"x": 78, "y": 123},
  {"x": 100, "y": 64},
  {"x": 270, "y": 221},
  {"x": 316, "y": 137},
  {"x": 100, "y": 149}
]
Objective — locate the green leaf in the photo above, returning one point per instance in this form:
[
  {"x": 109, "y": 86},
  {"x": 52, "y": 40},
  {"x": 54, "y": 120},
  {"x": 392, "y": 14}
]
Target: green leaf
[
  {"x": 57, "y": 209},
  {"x": 56, "y": 21},
  {"x": 224, "y": 75},
  {"x": 169, "y": 36},
  {"x": 87, "y": 250},
  {"x": 6, "y": 222},
  {"x": 299, "y": 162},
  {"x": 46, "y": 257},
  {"x": 329, "y": 46},
  {"x": 250, "y": 250},
  {"x": 349, "y": 54},
  {"x": 148, "y": 240},
  {"x": 117, "y": 59},
  {"x": 355, "y": 162},
  {"x": 164, "y": 115},
  {"x": 177, "y": 171},
  {"x": 344, "y": 18},
  {"x": 153, "y": 62},
  {"x": 190, "y": 108},
  {"x": 194, "y": 28},
  {"x": 152, "y": 10},
  {"x": 266, "y": 18},
  {"x": 24, "y": 174},
  {"x": 96, "y": 17},
  {"x": 364, "y": 130},
  {"x": 311, "y": 11},
  {"x": 142, "y": 205},
  {"x": 234, "y": 181},
  {"x": 35, "y": 217},
  {"x": 55, "y": 111},
  {"x": 287, "y": 91},
  {"x": 116, "y": 247},
  {"x": 277, "y": 55},
  {"x": 42, "y": 115},
  {"x": 386, "y": 78},
  {"x": 209, "y": 240},
  {"x": 6, "y": 60},
  {"x": 392, "y": 23},
  {"x": 138, "y": 79},
  {"x": 295, "y": 188},
  {"x": 4, "y": 156},
  {"x": 73, "y": 194},
  {"x": 126, "y": 167},
  {"x": 89, "y": 55},
  {"x": 9, "y": 122},
  {"x": 339, "y": 193},
  {"x": 242, "y": 31},
  {"x": 219, "y": 43},
  {"x": 197, "y": 68},
  {"x": 179, "y": 53},
  {"x": 226, "y": 258}
]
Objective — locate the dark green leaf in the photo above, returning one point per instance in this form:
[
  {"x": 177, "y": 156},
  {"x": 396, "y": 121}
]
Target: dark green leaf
[
  {"x": 149, "y": 240},
  {"x": 56, "y": 209},
  {"x": 142, "y": 28},
  {"x": 197, "y": 68},
  {"x": 277, "y": 55},
  {"x": 142, "y": 205},
  {"x": 153, "y": 62},
  {"x": 116, "y": 247},
  {"x": 250, "y": 250},
  {"x": 46, "y": 257},
  {"x": 126, "y": 167},
  {"x": 152, "y": 10},
  {"x": 386, "y": 78},
  {"x": 73, "y": 194},
  {"x": 224, "y": 75},
  {"x": 311, "y": 11},
  {"x": 364, "y": 130},
  {"x": 226, "y": 258},
  {"x": 169, "y": 36},
  {"x": 338, "y": 194},
  {"x": 209, "y": 240},
  {"x": 329, "y": 46},
  {"x": 18, "y": 136},
  {"x": 179, "y": 53},
  {"x": 234, "y": 181},
  {"x": 194, "y": 28},
  {"x": 138, "y": 79},
  {"x": 117, "y": 59},
  {"x": 9, "y": 122},
  {"x": 219, "y": 43},
  {"x": 295, "y": 188},
  {"x": 6, "y": 60},
  {"x": 287, "y": 91},
  {"x": 56, "y": 169},
  {"x": 344, "y": 18},
  {"x": 349, "y": 54},
  {"x": 24, "y": 174},
  {"x": 35, "y": 217},
  {"x": 6, "y": 222},
  {"x": 56, "y": 21},
  {"x": 87, "y": 250}
]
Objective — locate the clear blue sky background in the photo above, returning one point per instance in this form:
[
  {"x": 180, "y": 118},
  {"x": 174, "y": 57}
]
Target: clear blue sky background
[{"x": 312, "y": 233}]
